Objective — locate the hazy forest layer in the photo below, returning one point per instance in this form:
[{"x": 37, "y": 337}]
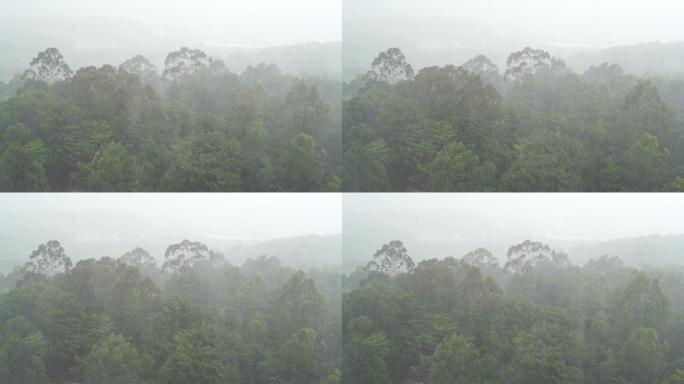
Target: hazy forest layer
[
  {"x": 536, "y": 319},
  {"x": 197, "y": 319},
  {"x": 194, "y": 127},
  {"x": 533, "y": 126}
]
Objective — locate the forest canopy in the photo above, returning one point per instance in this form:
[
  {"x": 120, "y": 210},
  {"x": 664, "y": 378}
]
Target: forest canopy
[
  {"x": 533, "y": 126},
  {"x": 533, "y": 317},
  {"x": 197, "y": 319},
  {"x": 193, "y": 126}
]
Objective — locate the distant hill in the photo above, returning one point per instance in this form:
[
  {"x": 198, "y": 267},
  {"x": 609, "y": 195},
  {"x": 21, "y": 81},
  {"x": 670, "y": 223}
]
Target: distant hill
[
  {"x": 6, "y": 266},
  {"x": 309, "y": 59},
  {"x": 653, "y": 58},
  {"x": 648, "y": 58},
  {"x": 643, "y": 251},
  {"x": 306, "y": 59},
  {"x": 295, "y": 252}
]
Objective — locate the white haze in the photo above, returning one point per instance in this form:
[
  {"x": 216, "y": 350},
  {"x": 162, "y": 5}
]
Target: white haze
[
  {"x": 440, "y": 225},
  {"x": 438, "y": 32},
  {"x": 256, "y": 23},
  {"x": 95, "y": 225},
  {"x": 96, "y": 32}
]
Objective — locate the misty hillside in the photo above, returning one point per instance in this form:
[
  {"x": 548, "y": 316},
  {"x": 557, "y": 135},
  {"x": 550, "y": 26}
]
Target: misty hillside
[
  {"x": 653, "y": 58},
  {"x": 539, "y": 319},
  {"x": 260, "y": 130},
  {"x": 308, "y": 59},
  {"x": 638, "y": 252},
  {"x": 6, "y": 266},
  {"x": 536, "y": 126},
  {"x": 196, "y": 319},
  {"x": 298, "y": 252},
  {"x": 649, "y": 58},
  {"x": 643, "y": 251},
  {"x": 358, "y": 250}
]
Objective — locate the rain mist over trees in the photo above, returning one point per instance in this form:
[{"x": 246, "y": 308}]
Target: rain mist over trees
[
  {"x": 192, "y": 126},
  {"x": 529, "y": 317},
  {"x": 197, "y": 319},
  {"x": 534, "y": 125}
]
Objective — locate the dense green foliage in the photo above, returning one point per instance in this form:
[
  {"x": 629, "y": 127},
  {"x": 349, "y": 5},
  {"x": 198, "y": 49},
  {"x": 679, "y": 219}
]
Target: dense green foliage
[
  {"x": 126, "y": 321},
  {"x": 197, "y": 127},
  {"x": 536, "y": 319},
  {"x": 537, "y": 127}
]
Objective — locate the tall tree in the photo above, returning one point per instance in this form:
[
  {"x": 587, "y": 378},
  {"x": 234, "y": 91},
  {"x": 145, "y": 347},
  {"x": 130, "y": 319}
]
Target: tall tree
[
  {"x": 523, "y": 256},
  {"x": 391, "y": 258},
  {"x": 482, "y": 66},
  {"x": 529, "y": 61},
  {"x": 139, "y": 65},
  {"x": 49, "y": 67},
  {"x": 391, "y": 67},
  {"x": 481, "y": 258},
  {"x": 183, "y": 255},
  {"x": 138, "y": 258},
  {"x": 48, "y": 259},
  {"x": 184, "y": 62}
]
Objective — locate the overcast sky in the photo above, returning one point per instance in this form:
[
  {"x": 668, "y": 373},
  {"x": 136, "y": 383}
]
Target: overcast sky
[
  {"x": 94, "y": 225},
  {"x": 451, "y": 224},
  {"x": 431, "y": 225},
  {"x": 552, "y": 22},
  {"x": 96, "y": 32},
  {"x": 429, "y": 30},
  {"x": 256, "y": 23}
]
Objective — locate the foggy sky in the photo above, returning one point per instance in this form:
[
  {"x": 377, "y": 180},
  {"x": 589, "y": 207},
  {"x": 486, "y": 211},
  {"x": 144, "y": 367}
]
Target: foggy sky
[
  {"x": 440, "y": 225},
  {"x": 438, "y": 32},
  {"x": 95, "y": 225},
  {"x": 256, "y": 23},
  {"x": 97, "y": 32},
  {"x": 431, "y": 225}
]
